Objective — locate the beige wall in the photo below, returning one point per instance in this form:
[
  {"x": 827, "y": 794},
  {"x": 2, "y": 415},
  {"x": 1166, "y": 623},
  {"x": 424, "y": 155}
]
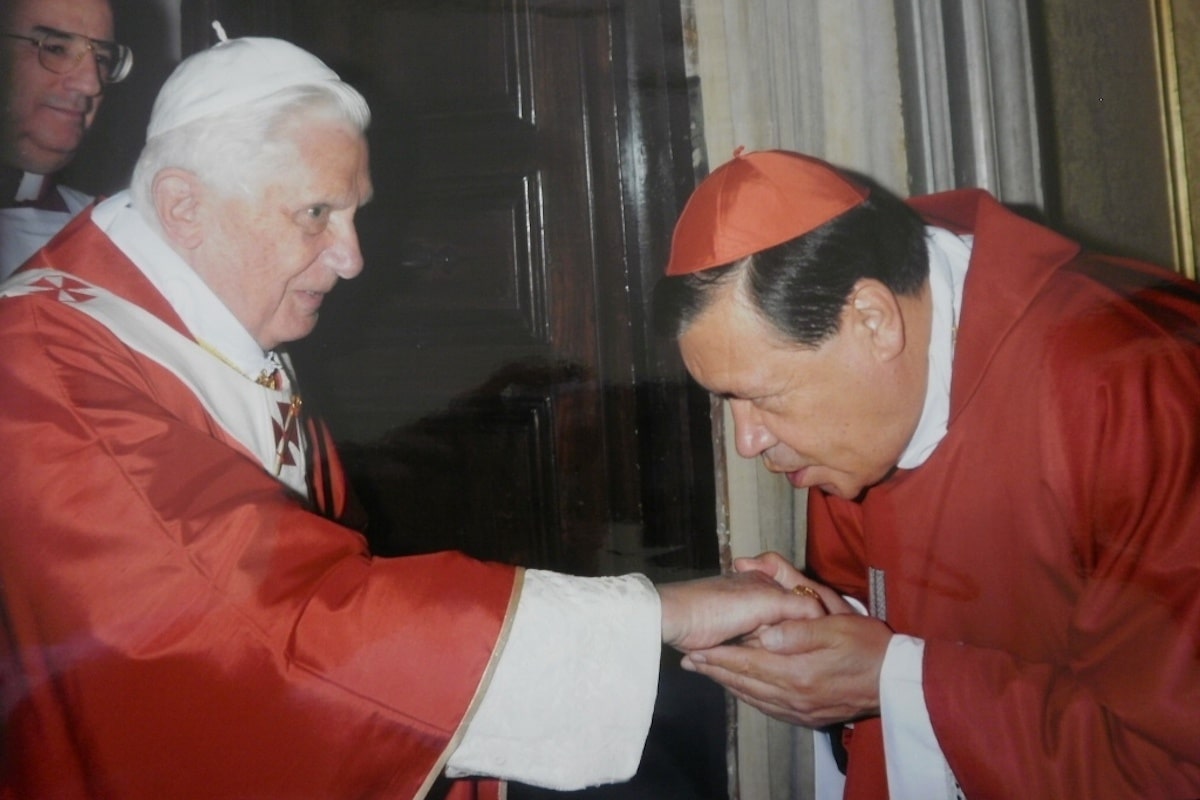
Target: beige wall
[{"x": 1123, "y": 115}]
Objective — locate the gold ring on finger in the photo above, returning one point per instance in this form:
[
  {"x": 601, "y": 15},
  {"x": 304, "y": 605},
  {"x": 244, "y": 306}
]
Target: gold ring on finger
[{"x": 806, "y": 591}]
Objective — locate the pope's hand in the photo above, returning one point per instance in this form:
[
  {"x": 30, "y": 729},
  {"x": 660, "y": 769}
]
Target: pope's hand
[
  {"x": 780, "y": 570},
  {"x": 707, "y": 612}
]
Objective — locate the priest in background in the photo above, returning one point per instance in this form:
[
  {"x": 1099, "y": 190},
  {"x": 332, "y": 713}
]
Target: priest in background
[{"x": 57, "y": 58}]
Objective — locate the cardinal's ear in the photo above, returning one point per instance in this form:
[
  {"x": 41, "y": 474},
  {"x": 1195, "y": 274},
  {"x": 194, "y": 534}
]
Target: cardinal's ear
[{"x": 875, "y": 317}]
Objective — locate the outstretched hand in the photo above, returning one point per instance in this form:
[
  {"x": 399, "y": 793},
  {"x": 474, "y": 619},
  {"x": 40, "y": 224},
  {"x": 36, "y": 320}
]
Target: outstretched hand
[
  {"x": 780, "y": 570},
  {"x": 707, "y": 612}
]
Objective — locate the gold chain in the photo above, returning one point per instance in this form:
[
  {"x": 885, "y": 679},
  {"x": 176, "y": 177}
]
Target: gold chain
[{"x": 265, "y": 378}]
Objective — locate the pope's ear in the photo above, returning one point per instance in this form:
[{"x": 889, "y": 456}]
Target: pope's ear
[
  {"x": 877, "y": 317},
  {"x": 178, "y": 194}
]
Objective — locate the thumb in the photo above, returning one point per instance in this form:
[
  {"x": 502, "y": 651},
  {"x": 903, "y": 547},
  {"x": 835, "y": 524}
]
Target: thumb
[
  {"x": 771, "y": 564},
  {"x": 791, "y": 637}
]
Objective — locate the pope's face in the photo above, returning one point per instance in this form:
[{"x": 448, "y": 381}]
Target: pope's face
[
  {"x": 836, "y": 417},
  {"x": 273, "y": 257},
  {"x": 44, "y": 116}
]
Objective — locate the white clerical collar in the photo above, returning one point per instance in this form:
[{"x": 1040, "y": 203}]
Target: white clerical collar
[
  {"x": 949, "y": 256},
  {"x": 30, "y": 188},
  {"x": 208, "y": 319}
]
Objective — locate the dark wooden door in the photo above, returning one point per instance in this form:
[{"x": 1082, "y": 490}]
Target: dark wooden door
[{"x": 491, "y": 376}]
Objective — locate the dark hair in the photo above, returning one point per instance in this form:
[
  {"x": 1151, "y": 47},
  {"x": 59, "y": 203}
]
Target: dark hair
[{"x": 802, "y": 285}]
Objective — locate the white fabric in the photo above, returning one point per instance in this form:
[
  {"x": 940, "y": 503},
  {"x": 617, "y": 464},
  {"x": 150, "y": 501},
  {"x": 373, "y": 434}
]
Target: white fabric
[
  {"x": 571, "y": 699},
  {"x": 829, "y": 781},
  {"x": 23, "y": 231},
  {"x": 247, "y": 411},
  {"x": 916, "y": 767},
  {"x": 949, "y": 255},
  {"x": 30, "y": 187},
  {"x": 208, "y": 319},
  {"x": 232, "y": 73}
]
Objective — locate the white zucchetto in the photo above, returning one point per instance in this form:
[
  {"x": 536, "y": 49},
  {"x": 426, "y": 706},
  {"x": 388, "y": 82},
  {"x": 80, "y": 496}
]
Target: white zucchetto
[{"x": 232, "y": 73}]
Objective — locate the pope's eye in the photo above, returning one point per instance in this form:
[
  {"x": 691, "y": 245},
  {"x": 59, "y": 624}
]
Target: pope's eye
[{"x": 313, "y": 219}]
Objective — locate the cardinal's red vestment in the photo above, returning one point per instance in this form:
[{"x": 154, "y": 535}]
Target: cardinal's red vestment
[
  {"x": 177, "y": 622},
  {"x": 1048, "y": 552}
]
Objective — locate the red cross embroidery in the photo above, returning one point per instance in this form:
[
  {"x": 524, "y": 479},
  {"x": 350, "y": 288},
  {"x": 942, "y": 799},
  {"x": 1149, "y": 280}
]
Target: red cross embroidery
[
  {"x": 69, "y": 289},
  {"x": 287, "y": 434}
]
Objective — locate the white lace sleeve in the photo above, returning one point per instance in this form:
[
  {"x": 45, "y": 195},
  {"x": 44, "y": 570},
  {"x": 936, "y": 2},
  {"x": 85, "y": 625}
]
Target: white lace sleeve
[{"x": 570, "y": 702}]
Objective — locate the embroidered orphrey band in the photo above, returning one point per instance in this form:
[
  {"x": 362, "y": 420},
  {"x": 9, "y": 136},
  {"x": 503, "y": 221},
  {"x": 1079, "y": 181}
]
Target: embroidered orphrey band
[{"x": 877, "y": 597}]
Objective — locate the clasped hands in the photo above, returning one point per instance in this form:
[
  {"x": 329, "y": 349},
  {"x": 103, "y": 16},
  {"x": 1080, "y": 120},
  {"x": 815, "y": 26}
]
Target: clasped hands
[{"x": 795, "y": 657}]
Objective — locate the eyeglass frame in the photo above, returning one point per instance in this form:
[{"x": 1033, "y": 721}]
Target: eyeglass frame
[{"x": 122, "y": 54}]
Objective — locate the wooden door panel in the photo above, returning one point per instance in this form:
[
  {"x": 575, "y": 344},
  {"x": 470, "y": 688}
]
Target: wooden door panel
[
  {"x": 423, "y": 503},
  {"x": 470, "y": 271},
  {"x": 477, "y": 195}
]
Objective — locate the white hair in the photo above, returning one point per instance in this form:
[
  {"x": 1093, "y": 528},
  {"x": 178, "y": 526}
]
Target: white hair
[{"x": 236, "y": 152}]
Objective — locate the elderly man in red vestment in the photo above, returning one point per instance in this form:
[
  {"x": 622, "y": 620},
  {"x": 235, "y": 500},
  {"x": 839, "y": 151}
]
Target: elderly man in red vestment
[
  {"x": 183, "y": 615},
  {"x": 1000, "y": 435}
]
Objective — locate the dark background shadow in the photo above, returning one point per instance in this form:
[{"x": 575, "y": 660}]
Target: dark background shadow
[{"x": 104, "y": 162}]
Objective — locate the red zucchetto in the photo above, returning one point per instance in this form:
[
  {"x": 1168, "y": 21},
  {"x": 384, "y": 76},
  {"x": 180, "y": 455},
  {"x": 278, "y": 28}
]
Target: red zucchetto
[{"x": 756, "y": 201}]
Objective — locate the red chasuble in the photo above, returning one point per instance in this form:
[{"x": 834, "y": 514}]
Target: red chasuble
[
  {"x": 1049, "y": 550},
  {"x": 177, "y": 623}
]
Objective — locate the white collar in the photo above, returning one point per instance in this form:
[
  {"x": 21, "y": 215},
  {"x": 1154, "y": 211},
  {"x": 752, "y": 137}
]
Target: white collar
[
  {"x": 30, "y": 187},
  {"x": 949, "y": 256},
  {"x": 208, "y": 319}
]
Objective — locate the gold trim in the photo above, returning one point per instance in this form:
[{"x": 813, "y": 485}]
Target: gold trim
[{"x": 1182, "y": 234}]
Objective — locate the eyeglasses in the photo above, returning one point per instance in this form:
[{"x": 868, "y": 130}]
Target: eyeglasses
[{"x": 60, "y": 52}]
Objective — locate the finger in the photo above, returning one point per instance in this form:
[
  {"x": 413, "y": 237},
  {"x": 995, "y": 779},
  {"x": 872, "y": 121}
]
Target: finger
[
  {"x": 799, "y": 636},
  {"x": 786, "y": 575},
  {"x": 779, "y": 701},
  {"x": 803, "y": 589},
  {"x": 748, "y": 662},
  {"x": 777, "y": 603},
  {"x": 751, "y": 639},
  {"x": 737, "y": 675},
  {"x": 771, "y": 564},
  {"x": 752, "y": 565},
  {"x": 834, "y": 602},
  {"x": 799, "y": 607},
  {"x": 830, "y": 600},
  {"x": 764, "y": 693}
]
